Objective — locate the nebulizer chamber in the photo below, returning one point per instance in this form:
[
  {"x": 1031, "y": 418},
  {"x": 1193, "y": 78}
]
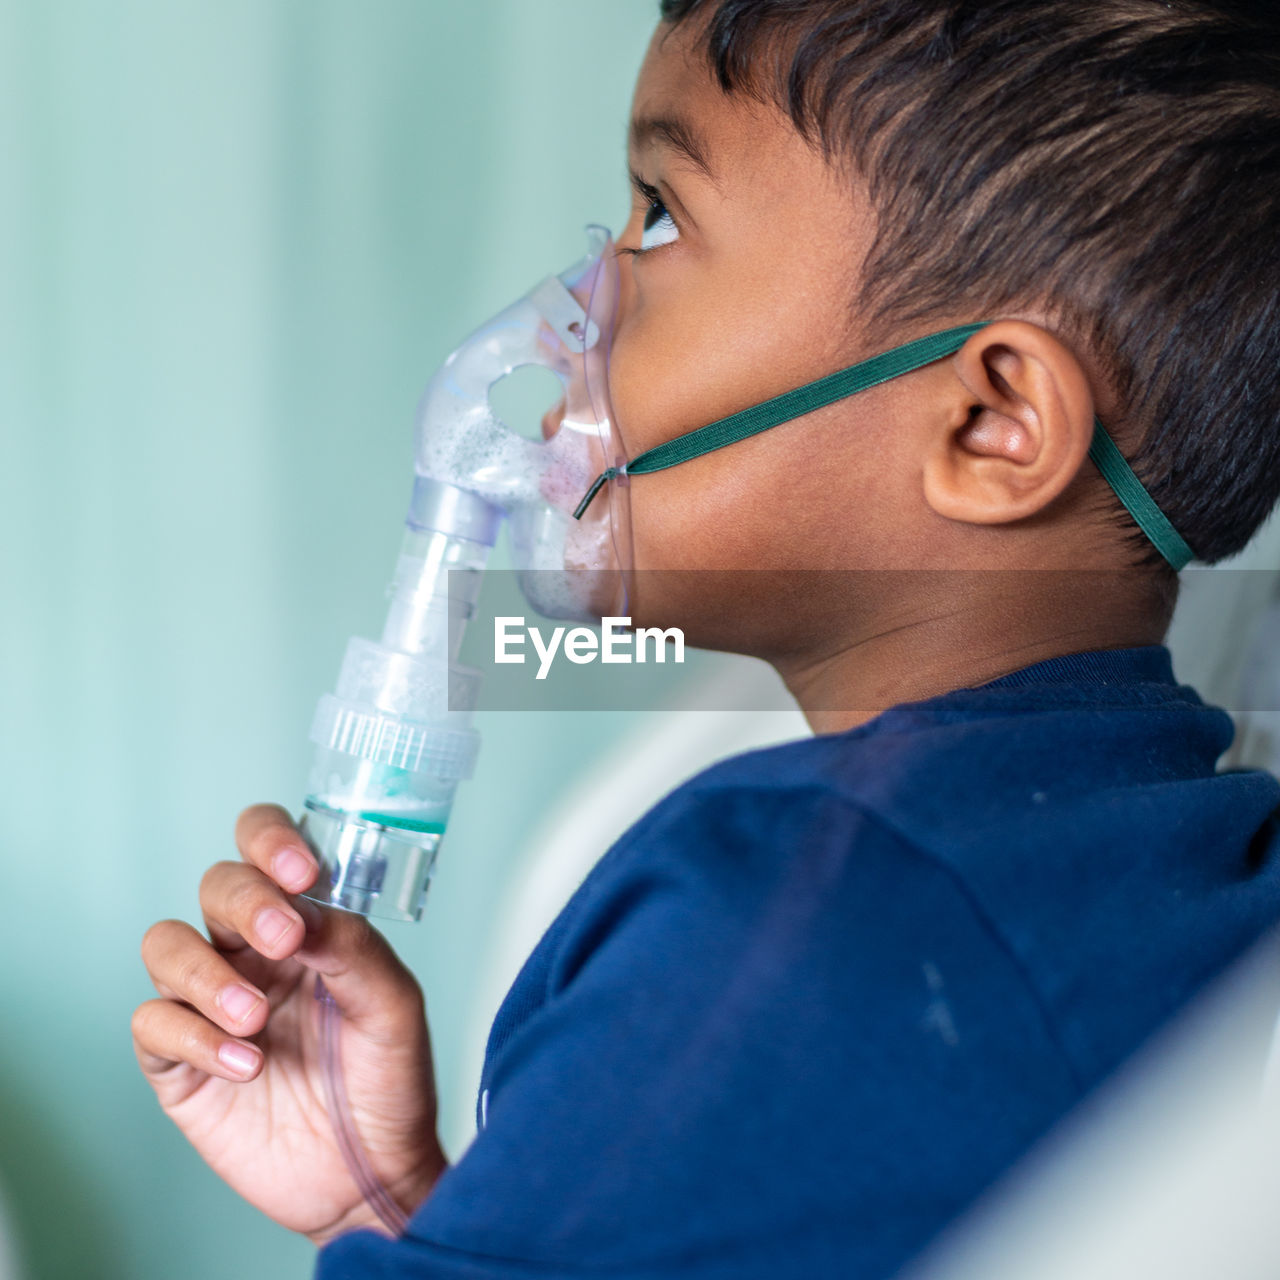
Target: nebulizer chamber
[
  {"x": 396, "y": 737},
  {"x": 394, "y": 740}
]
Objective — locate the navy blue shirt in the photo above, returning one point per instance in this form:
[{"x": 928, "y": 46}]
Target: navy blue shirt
[{"x": 821, "y": 995}]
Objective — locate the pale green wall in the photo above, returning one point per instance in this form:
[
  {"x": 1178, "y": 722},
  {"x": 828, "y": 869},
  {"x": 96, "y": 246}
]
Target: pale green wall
[{"x": 235, "y": 237}]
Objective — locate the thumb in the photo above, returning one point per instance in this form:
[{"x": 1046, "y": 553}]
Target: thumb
[{"x": 371, "y": 986}]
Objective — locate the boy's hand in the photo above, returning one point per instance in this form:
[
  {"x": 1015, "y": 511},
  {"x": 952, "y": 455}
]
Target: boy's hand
[{"x": 232, "y": 1046}]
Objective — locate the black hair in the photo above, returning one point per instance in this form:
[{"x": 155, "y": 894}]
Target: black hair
[{"x": 1114, "y": 161}]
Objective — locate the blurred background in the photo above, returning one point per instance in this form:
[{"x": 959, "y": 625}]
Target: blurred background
[{"x": 235, "y": 240}]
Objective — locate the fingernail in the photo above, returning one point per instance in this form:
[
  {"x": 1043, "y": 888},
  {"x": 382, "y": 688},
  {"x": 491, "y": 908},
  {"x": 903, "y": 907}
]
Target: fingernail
[
  {"x": 292, "y": 868},
  {"x": 239, "y": 1002},
  {"x": 239, "y": 1058},
  {"x": 272, "y": 925}
]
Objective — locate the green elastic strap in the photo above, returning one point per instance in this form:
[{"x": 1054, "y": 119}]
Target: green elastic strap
[
  {"x": 817, "y": 395},
  {"x": 859, "y": 377},
  {"x": 1136, "y": 500}
]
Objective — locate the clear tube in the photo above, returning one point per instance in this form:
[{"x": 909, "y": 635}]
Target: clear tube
[{"x": 344, "y": 1125}]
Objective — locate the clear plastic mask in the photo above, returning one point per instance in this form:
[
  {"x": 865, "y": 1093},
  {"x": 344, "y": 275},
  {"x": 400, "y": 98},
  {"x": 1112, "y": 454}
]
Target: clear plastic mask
[{"x": 569, "y": 568}]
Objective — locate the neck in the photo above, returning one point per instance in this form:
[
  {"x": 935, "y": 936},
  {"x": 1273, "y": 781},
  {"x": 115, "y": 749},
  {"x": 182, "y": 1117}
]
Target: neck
[{"x": 916, "y": 638}]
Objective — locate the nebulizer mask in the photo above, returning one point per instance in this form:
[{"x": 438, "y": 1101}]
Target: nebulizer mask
[{"x": 395, "y": 738}]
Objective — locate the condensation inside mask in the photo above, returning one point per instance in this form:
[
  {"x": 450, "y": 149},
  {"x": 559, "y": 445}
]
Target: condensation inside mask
[{"x": 568, "y": 568}]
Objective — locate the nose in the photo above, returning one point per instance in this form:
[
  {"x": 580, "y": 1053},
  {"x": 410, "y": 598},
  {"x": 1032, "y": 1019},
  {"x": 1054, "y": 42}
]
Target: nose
[{"x": 553, "y": 419}]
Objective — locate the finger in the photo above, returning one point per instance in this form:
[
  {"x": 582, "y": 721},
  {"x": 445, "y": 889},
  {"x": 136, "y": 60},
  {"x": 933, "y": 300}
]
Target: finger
[
  {"x": 370, "y": 984},
  {"x": 243, "y": 906},
  {"x": 184, "y": 966},
  {"x": 167, "y": 1035},
  {"x": 268, "y": 839}
]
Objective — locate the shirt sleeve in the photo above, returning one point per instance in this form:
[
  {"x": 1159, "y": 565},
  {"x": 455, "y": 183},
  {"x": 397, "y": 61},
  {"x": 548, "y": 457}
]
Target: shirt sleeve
[{"x": 773, "y": 1036}]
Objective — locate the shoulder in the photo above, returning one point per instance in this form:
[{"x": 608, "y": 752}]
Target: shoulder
[
  {"x": 737, "y": 826},
  {"x": 763, "y": 861},
  {"x": 759, "y": 896},
  {"x": 698, "y": 880},
  {"x": 756, "y": 952}
]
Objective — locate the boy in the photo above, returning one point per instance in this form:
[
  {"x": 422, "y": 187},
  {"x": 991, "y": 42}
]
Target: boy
[{"x": 821, "y": 996}]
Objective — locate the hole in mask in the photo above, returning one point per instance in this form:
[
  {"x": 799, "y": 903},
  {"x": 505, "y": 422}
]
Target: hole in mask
[{"x": 524, "y": 396}]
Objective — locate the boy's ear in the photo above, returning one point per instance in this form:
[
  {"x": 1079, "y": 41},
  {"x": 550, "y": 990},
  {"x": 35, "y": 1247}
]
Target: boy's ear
[{"x": 1018, "y": 427}]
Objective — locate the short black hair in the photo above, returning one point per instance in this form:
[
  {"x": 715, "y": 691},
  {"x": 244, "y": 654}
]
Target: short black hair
[{"x": 1115, "y": 161}]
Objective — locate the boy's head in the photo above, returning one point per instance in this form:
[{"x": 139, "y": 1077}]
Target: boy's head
[{"x": 825, "y": 179}]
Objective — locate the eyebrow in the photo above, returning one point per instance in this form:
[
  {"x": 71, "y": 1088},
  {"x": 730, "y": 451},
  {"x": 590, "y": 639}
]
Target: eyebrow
[{"x": 677, "y": 134}]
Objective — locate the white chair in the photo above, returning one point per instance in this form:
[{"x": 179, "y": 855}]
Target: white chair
[{"x": 1172, "y": 1171}]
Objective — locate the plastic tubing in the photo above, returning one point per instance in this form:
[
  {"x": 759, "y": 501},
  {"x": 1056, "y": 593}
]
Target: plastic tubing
[{"x": 344, "y": 1126}]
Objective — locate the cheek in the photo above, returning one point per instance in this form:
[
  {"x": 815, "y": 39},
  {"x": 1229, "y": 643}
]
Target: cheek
[
  {"x": 696, "y": 343},
  {"x": 653, "y": 375},
  {"x": 748, "y": 506},
  {"x": 827, "y": 492}
]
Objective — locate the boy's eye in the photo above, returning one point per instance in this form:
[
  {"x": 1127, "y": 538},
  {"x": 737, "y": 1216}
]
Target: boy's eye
[{"x": 659, "y": 226}]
